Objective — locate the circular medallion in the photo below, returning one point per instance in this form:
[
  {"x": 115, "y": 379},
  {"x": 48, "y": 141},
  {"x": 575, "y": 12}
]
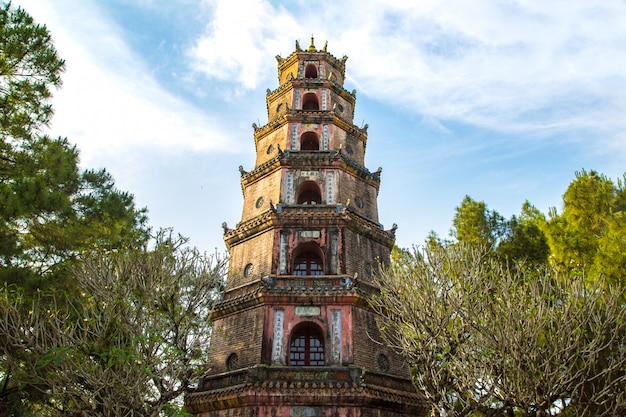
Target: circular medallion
[
  {"x": 247, "y": 271},
  {"x": 259, "y": 202}
]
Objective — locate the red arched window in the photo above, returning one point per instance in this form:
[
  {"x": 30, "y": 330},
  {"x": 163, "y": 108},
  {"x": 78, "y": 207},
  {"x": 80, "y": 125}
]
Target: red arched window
[
  {"x": 308, "y": 263},
  {"x": 310, "y": 102},
  {"x": 309, "y": 193},
  {"x": 310, "y": 71},
  {"x": 307, "y": 347},
  {"x": 309, "y": 141}
]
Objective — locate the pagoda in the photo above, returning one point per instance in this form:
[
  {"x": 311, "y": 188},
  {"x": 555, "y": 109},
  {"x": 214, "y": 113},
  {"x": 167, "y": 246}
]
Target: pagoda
[{"x": 294, "y": 334}]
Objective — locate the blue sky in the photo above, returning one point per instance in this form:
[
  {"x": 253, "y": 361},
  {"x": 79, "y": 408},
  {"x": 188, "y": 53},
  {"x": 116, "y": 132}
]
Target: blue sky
[{"x": 499, "y": 100}]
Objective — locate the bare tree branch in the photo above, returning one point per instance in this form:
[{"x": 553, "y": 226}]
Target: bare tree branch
[
  {"x": 485, "y": 338},
  {"x": 134, "y": 341}
]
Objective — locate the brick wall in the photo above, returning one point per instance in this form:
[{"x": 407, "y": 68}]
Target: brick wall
[
  {"x": 256, "y": 251},
  {"x": 267, "y": 188},
  {"x": 278, "y": 137},
  {"x": 366, "y": 354},
  {"x": 362, "y": 254},
  {"x": 241, "y": 334},
  {"x": 350, "y": 188}
]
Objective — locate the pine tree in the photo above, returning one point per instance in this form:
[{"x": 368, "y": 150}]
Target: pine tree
[{"x": 49, "y": 210}]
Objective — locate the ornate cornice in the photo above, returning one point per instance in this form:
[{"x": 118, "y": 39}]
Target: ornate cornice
[
  {"x": 308, "y": 55},
  {"x": 316, "y": 386},
  {"x": 309, "y": 216},
  {"x": 359, "y": 132},
  {"x": 308, "y": 159},
  {"x": 370, "y": 229},
  {"x": 309, "y": 116},
  {"x": 272, "y": 125},
  {"x": 337, "y": 88},
  {"x": 249, "y": 228},
  {"x": 291, "y": 289},
  {"x": 262, "y": 170}
]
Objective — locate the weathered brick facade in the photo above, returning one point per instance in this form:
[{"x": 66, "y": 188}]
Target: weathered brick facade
[{"x": 294, "y": 335}]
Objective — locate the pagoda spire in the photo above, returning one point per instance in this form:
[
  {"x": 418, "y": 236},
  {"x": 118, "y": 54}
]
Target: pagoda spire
[{"x": 294, "y": 334}]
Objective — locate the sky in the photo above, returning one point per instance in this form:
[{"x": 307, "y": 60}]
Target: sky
[{"x": 501, "y": 100}]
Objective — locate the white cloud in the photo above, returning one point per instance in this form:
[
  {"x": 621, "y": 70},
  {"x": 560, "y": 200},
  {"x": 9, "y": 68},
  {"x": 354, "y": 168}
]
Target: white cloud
[
  {"x": 517, "y": 67},
  {"x": 240, "y": 38},
  {"x": 523, "y": 66},
  {"x": 540, "y": 70},
  {"x": 109, "y": 103}
]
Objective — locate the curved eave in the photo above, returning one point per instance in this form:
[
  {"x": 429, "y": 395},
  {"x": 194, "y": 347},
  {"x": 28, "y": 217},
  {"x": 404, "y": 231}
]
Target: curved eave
[
  {"x": 261, "y": 171},
  {"x": 249, "y": 228},
  {"x": 336, "y": 87},
  {"x": 323, "y": 386},
  {"x": 311, "y": 55},
  {"x": 288, "y": 216},
  {"x": 308, "y": 159},
  {"x": 290, "y": 290},
  {"x": 309, "y": 116}
]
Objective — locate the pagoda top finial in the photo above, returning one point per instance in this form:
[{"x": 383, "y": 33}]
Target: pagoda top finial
[{"x": 312, "y": 45}]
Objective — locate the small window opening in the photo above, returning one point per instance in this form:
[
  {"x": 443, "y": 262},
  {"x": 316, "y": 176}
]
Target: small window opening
[
  {"x": 310, "y": 102},
  {"x": 308, "y": 264},
  {"x": 309, "y": 142},
  {"x": 309, "y": 193},
  {"x": 310, "y": 71},
  {"x": 232, "y": 362},
  {"x": 307, "y": 347}
]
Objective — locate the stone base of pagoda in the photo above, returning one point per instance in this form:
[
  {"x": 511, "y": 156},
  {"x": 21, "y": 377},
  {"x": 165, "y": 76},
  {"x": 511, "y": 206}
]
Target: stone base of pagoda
[{"x": 304, "y": 392}]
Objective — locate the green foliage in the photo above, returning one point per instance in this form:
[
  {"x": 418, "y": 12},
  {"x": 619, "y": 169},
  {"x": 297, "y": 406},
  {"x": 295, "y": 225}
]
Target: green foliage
[
  {"x": 49, "y": 210},
  {"x": 474, "y": 224},
  {"x": 534, "y": 322},
  {"x": 51, "y": 213},
  {"x": 524, "y": 240},
  {"x": 519, "y": 239},
  {"x": 590, "y": 233},
  {"x": 29, "y": 66}
]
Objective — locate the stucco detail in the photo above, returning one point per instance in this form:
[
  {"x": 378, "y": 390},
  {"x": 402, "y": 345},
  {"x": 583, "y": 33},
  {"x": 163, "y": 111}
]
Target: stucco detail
[
  {"x": 335, "y": 336},
  {"x": 278, "y": 356},
  {"x": 282, "y": 256}
]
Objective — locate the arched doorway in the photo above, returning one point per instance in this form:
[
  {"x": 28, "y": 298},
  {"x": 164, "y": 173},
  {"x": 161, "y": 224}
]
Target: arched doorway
[
  {"x": 309, "y": 141},
  {"x": 309, "y": 193},
  {"x": 308, "y": 263},
  {"x": 310, "y": 102},
  {"x": 310, "y": 71},
  {"x": 307, "y": 346}
]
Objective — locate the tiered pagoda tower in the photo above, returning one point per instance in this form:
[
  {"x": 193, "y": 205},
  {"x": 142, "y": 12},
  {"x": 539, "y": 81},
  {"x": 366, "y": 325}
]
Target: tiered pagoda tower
[{"x": 294, "y": 335}]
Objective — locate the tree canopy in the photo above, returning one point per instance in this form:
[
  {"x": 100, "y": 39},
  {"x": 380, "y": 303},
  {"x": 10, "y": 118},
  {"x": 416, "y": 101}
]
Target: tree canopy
[
  {"x": 29, "y": 67},
  {"x": 52, "y": 212},
  {"x": 518, "y": 317},
  {"x": 590, "y": 232},
  {"x": 132, "y": 343},
  {"x": 50, "y": 209},
  {"x": 487, "y": 339}
]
